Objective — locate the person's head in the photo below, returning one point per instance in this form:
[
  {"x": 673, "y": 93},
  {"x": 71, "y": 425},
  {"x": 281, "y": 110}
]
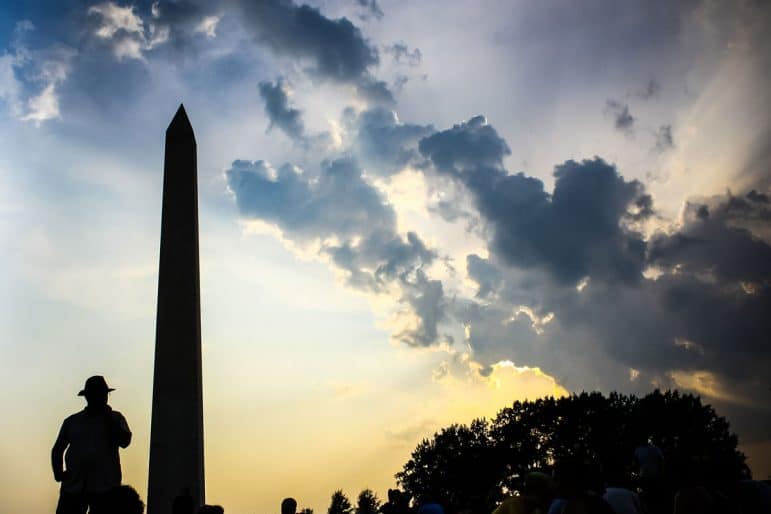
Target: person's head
[
  {"x": 288, "y": 506},
  {"x": 125, "y": 500},
  {"x": 183, "y": 504},
  {"x": 540, "y": 488},
  {"x": 569, "y": 476},
  {"x": 95, "y": 391}
]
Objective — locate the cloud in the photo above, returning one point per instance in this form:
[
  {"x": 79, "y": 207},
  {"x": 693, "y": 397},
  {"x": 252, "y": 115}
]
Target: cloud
[
  {"x": 664, "y": 139},
  {"x": 208, "y": 26},
  {"x": 372, "y": 9},
  {"x": 330, "y": 49},
  {"x": 44, "y": 106},
  {"x": 125, "y": 30},
  {"x": 355, "y": 229},
  {"x": 381, "y": 257},
  {"x": 402, "y": 54},
  {"x": 116, "y": 19},
  {"x": 651, "y": 90},
  {"x": 470, "y": 145},
  {"x": 566, "y": 285},
  {"x": 333, "y": 202},
  {"x": 488, "y": 278},
  {"x": 30, "y": 78},
  {"x": 711, "y": 245},
  {"x": 275, "y": 96},
  {"x": 622, "y": 119},
  {"x": 580, "y": 229},
  {"x": 171, "y": 25},
  {"x": 375, "y": 92},
  {"x": 703, "y": 315},
  {"x": 568, "y": 280},
  {"x": 382, "y": 141},
  {"x": 10, "y": 86}
]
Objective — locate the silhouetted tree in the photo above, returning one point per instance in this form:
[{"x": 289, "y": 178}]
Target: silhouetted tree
[
  {"x": 474, "y": 466},
  {"x": 340, "y": 504},
  {"x": 459, "y": 468},
  {"x": 367, "y": 503}
]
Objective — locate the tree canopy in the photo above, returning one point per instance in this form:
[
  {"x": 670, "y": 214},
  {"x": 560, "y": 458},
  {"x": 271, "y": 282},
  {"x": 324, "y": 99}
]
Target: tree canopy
[
  {"x": 367, "y": 503},
  {"x": 474, "y": 466},
  {"x": 340, "y": 504}
]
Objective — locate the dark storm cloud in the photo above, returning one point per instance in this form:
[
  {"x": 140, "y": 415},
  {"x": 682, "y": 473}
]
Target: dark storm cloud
[
  {"x": 357, "y": 229},
  {"x": 488, "y": 277},
  {"x": 336, "y": 201},
  {"x": 381, "y": 141},
  {"x": 375, "y": 92},
  {"x": 281, "y": 115},
  {"x": 382, "y": 260},
  {"x": 705, "y": 312},
  {"x": 387, "y": 255},
  {"x": 578, "y": 230},
  {"x": 572, "y": 254},
  {"x": 332, "y": 49},
  {"x": 664, "y": 139},
  {"x": 709, "y": 244},
  {"x": 622, "y": 119},
  {"x": 469, "y": 145},
  {"x": 426, "y": 298}
]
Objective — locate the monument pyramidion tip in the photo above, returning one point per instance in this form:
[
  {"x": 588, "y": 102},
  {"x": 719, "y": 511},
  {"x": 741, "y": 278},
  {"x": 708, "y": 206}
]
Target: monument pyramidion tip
[{"x": 180, "y": 125}]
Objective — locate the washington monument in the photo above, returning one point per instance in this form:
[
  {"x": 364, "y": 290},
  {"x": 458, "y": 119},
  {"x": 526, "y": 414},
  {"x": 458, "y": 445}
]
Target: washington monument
[{"x": 176, "y": 435}]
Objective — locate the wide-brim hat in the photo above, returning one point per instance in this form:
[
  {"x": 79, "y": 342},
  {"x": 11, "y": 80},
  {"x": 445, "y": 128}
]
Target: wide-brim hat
[{"x": 95, "y": 383}]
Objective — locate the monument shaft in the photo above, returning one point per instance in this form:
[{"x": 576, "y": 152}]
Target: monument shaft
[{"x": 176, "y": 436}]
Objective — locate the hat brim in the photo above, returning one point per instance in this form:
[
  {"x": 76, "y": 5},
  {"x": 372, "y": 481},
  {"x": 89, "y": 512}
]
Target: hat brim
[{"x": 83, "y": 391}]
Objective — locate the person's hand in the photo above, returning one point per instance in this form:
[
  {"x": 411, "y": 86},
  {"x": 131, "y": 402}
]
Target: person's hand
[{"x": 61, "y": 475}]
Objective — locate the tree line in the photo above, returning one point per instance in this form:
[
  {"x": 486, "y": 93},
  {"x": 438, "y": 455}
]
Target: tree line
[{"x": 473, "y": 467}]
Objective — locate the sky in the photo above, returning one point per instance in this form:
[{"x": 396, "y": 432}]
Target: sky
[{"x": 411, "y": 214}]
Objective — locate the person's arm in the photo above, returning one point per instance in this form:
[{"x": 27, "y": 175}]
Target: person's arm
[
  {"x": 57, "y": 454},
  {"x": 120, "y": 430}
]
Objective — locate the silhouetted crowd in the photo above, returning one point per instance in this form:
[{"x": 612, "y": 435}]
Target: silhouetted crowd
[{"x": 580, "y": 485}]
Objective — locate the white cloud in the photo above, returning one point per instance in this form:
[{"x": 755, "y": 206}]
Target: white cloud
[
  {"x": 116, "y": 18},
  {"x": 44, "y": 106},
  {"x": 208, "y": 26},
  {"x": 10, "y": 87},
  {"x": 42, "y": 71},
  {"x": 127, "y": 30}
]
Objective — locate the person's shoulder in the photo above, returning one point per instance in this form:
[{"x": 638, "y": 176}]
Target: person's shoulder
[
  {"x": 118, "y": 414},
  {"x": 72, "y": 418}
]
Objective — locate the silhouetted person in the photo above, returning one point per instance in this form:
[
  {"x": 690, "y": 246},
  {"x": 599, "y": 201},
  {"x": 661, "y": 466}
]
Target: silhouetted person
[
  {"x": 91, "y": 439},
  {"x": 398, "y": 503},
  {"x": 288, "y": 506},
  {"x": 183, "y": 504},
  {"x": 125, "y": 500},
  {"x": 619, "y": 494},
  {"x": 653, "y": 483},
  {"x": 577, "y": 480},
  {"x": 536, "y": 497}
]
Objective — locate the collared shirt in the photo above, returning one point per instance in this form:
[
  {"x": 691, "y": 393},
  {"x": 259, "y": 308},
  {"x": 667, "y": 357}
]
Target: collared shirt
[{"x": 92, "y": 460}]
